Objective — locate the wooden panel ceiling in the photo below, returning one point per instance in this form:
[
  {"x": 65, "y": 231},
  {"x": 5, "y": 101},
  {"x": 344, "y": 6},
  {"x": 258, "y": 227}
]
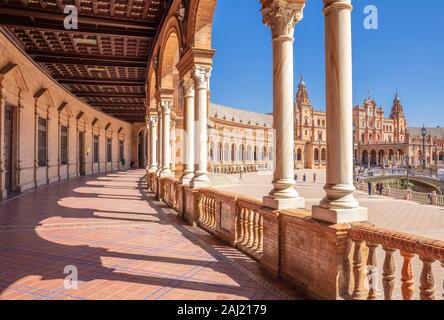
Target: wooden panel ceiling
[{"x": 104, "y": 61}]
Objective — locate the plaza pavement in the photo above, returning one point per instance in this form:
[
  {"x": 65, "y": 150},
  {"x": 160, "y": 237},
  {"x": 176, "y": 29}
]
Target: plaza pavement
[{"x": 124, "y": 244}]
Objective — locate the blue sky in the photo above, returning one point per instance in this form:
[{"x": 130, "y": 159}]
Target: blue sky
[{"x": 406, "y": 53}]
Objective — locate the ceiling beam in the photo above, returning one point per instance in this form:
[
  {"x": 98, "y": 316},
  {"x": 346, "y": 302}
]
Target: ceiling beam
[
  {"x": 50, "y": 54},
  {"x": 57, "y": 26},
  {"x": 108, "y": 95},
  {"x": 118, "y": 104},
  {"x": 90, "y": 62},
  {"x": 101, "y": 82},
  {"x": 83, "y": 20}
]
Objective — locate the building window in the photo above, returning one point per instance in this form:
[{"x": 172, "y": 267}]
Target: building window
[
  {"x": 42, "y": 143},
  {"x": 96, "y": 149},
  {"x": 63, "y": 145},
  {"x": 121, "y": 150},
  {"x": 109, "y": 153}
]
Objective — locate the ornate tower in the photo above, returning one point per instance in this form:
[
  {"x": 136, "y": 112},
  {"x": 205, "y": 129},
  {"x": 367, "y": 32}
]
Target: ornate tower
[
  {"x": 397, "y": 114},
  {"x": 303, "y": 113}
]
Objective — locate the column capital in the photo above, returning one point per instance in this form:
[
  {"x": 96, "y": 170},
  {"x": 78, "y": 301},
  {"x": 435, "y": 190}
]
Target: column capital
[
  {"x": 282, "y": 15},
  {"x": 187, "y": 84},
  {"x": 201, "y": 76},
  {"x": 166, "y": 105}
]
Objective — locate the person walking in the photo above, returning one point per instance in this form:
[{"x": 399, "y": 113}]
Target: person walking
[
  {"x": 296, "y": 177},
  {"x": 314, "y": 177},
  {"x": 241, "y": 173},
  {"x": 381, "y": 188},
  {"x": 304, "y": 178},
  {"x": 369, "y": 188}
]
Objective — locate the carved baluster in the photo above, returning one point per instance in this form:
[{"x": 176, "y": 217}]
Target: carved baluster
[
  {"x": 213, "y": 216},
  {"x": 427, "y": 280},
  {"x": 261, "y": 233},
  {"x": 372, "y": 266},
  {"x": 250, "y": 228},
  {"x": 245, "y": 225},
  {"x": 408, "y": 282},
  {"x": 240, "y": 224},
  {"x": 205, "y": 210},
  {"x": 388, "y": 277},
  {"x": 442, "y": 265},
  {"x": 255, "y": 230},
  {"x": 359, "y": 270}
]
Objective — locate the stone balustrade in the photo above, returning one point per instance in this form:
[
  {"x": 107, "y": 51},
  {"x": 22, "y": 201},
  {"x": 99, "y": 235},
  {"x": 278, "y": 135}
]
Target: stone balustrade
[
  {"x": 322, "y": 261},
  {"x": 233, "y": 168},
  {"x": 250, "y": 226},
  {"x": 367, "y": 239}
]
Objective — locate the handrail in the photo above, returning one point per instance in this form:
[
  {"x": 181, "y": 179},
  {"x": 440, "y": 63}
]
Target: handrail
[{"x": 367, "y": 239}]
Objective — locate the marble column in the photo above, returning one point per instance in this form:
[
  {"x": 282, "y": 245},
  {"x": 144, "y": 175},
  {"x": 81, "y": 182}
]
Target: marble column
[
  {"x": 173, "y": 146},
  {"x": 153, "y": 144},
  {"x": 188, "y": 89},
  {"x": 160, "y": 142},
  {"x": 166, "y": 105},
  {"x": 339, "y": 204},
  {"x": 281, "y": 16},
  {"x": 3, "y": 192},
  {"x": 201, "y": 76}
]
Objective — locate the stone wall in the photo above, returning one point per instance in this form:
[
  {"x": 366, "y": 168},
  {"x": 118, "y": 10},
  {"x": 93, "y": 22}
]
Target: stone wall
[{"x": 33, "y": 94}]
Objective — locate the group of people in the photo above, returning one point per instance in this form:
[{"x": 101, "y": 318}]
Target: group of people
[
  {"x": 304, "y": 177},
  {"x": 379, "y": 188}
]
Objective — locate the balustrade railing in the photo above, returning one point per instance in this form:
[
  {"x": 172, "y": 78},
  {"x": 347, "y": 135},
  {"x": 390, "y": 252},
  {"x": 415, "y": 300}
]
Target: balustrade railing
[
  {"x": 207, "y": 210},
  {"x": 420, "y": 197},
  {"x": 440, "y": 200},
  {"x": 250, "y": 226},
  {"x": 368, "y": 239}
]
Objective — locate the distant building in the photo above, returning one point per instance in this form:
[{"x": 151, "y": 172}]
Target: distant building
[{"x": 244, "y": 139}]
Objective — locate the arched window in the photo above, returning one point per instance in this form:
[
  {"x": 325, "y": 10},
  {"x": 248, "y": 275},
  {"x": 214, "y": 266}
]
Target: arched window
[
  {"x": 324, "y": 154},
  {"x": 299, "y": 155},
  {"x": 233, "y": 152},
  {"x": 242, "y": 153},
  {"x": 316, "y": 154},
  {"x": 255, "y": 155},
  {"x": 264, "y": 154},
  {"x": 363, "y": 138},
  {"x": 270, "y": 154},
  {"x": 219, "y": 152},
  {"x": 226, "y": 152}
]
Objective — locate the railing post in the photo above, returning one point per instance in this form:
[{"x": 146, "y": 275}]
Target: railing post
[
  {"x": 372, "y": 265},
  {"x": 359, "y": 270},
  {"x": 407, "y": 276},
  {"x": 388, "y": 275},
  {"x": 427, "y": 280}
]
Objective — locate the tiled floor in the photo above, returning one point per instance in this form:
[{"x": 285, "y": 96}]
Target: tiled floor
[{"x": 123, "y": 245}]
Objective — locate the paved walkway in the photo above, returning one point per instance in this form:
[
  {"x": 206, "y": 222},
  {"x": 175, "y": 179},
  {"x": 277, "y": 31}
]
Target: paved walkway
[
  {"x": 395, "y": 214},
  {"x": 123, "y": 244}
]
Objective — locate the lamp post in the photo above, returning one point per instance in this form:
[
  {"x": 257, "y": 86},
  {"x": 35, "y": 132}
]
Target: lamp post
[{"x": 424, "y": 159}]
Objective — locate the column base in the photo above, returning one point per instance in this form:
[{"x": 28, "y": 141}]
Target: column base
[
  {"x": 152, "y": 169},
  {"x": 201, "y": 181},
  {"x": 282, "y": 204},
  {"x": 166, "y": 174},
  {"x": 186, "y": 179},
  {"x": 340, "y": 216}
]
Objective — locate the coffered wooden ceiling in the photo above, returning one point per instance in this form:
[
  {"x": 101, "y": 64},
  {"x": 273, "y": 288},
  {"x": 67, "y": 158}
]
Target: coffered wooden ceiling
[{"x": 104, "y": 61}]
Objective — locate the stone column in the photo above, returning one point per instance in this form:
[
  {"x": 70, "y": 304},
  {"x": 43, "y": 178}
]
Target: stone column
[
  {"x": 173, "y": 146},
  {"x": 159, "y": 142},
  {"x": 3, "y": 192},
  {"x": 281, "y": 16},
  {"x": 153, "y": 144},
  {"x": 339, "y": 204},
  {"x": 201, "y": 75},
  {"x": 166, "y": 105},
  {"x": 188, "y": 89}
]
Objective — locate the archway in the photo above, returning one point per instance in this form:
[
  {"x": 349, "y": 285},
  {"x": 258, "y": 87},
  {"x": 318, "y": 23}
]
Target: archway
[
  {"x": 381, "y": 157},
  {"x": 373, "y": 160},
  {"x": 365, "y": 158}
]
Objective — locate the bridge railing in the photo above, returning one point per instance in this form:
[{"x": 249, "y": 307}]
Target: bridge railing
[{"x": 368, "y": 240}]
